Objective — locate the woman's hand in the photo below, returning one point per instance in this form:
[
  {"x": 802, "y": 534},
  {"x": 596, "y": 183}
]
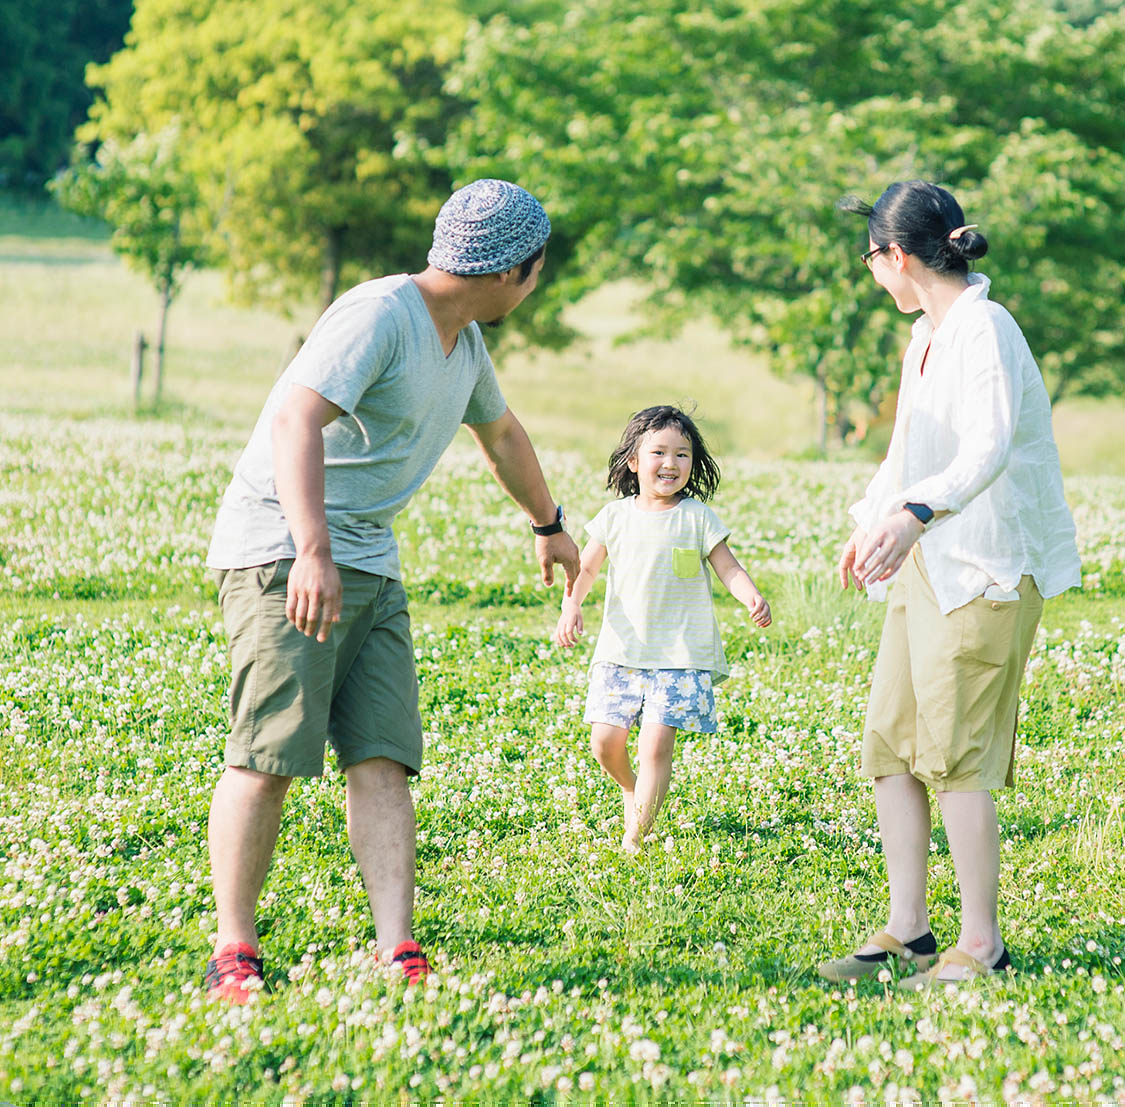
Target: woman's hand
[
  {"x": 569, "y": 627},
  {"x": 845, "y": 567},
  {"x": 881, "y": 555}
]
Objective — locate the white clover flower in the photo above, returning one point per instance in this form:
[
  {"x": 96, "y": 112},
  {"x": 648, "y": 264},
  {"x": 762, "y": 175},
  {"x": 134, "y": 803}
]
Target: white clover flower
[{"x": 644, "y": 1049}]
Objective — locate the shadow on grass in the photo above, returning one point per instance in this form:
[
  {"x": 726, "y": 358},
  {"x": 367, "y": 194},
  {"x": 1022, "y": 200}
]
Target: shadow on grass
[
  {"x": 42, "y": 217},
  {"x": 595, "y": 973},
  {"x": 60, "y": 261},
  {"x": 1066, "y": 954}
]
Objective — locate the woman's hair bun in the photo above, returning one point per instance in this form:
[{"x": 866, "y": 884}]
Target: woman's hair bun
[{"x": 969, "y": 245}]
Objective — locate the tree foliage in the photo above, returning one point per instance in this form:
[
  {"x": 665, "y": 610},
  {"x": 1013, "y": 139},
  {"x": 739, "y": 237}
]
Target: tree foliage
[
  {"x": 701, "y": 146},
  {"x": 1083, "y": 12},
  {"x": 143, "y": 191},
  {"x": 291, "y": 115},
  {"x": 44, "y": 49},
  {"x": 696, "y": 145}
]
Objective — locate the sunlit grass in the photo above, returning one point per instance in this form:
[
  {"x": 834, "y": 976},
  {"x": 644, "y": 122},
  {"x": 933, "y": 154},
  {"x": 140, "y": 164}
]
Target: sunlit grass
[
  {"x": 564, "y": 968},
  {"x": 566, "y": 971}
]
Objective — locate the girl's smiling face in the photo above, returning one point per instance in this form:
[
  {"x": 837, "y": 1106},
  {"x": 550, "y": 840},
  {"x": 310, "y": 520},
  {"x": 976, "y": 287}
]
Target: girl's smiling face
[{"x": 663, "y": 465}]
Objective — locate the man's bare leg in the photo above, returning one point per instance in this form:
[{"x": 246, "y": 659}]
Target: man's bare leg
[
  {"x": 381, "y": 830},
  {"x": 241, "y": 834}
]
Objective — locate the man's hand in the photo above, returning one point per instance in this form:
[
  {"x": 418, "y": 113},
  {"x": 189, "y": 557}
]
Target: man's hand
[
  {"x": 881, "y": 555},
  {"x": 569, "y": 628},
  {"x": 557, "y": 549},
  {"x": 315, "y": 595},
  {"x": 845, "y": 567}
]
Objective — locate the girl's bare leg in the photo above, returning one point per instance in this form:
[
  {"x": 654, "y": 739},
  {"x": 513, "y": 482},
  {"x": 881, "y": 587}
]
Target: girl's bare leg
[
  {"x": 654, "y": 771},
  {"x": 609, "y": 745}
]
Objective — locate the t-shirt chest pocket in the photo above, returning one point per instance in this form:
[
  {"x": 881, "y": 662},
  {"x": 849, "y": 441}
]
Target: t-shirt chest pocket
[{"x": 685, "y": 563}]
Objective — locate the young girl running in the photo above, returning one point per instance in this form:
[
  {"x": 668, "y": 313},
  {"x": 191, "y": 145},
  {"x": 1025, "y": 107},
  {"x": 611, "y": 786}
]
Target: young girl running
[{"x": 659, "y": 649}]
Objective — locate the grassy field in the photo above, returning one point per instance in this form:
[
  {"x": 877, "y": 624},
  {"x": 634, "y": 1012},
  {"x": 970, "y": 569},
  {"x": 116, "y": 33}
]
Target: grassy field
[{"x": 566, "y": 970}]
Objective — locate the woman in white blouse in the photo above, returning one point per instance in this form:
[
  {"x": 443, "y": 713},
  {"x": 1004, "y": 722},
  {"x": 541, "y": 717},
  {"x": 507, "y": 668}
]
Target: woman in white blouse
[{"x": 967, "y": 514}]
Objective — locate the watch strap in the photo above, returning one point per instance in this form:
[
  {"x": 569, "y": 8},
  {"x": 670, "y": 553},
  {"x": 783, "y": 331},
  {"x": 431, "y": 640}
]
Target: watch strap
[
  {"x": 920, "y": 512},
  {"x": 557, "y": 527}
]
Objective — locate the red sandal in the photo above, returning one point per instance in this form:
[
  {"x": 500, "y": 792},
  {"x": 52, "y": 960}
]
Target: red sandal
[
  {"x": 234, "y": 973},
  {"x": 410, "y": 958}
]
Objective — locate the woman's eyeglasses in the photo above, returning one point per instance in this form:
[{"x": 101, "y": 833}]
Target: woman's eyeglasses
[{"x": 871, "y": 253}]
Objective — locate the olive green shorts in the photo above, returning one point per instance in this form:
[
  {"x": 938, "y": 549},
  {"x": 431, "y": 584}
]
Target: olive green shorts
[
  {"x": 945, "y": 691},
  {"x": 291, "y": 693}
]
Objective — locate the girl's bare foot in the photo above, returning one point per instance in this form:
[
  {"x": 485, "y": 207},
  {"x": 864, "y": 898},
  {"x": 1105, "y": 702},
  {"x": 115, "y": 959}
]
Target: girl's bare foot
[{"x": 631, "y": 839}]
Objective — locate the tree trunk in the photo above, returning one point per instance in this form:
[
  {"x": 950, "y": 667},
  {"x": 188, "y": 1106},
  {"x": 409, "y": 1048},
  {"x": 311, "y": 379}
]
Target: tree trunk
[
  {"x": 843, "y": 425},
  {"x": 822, "y": 412},
  {"x": 165, "y": 304},
  {"x": 330, "y": 270},
  {"x": 1059, "y": 389}
]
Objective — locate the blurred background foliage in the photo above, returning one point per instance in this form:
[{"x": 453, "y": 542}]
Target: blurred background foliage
[{"x": 694, "y": 147}]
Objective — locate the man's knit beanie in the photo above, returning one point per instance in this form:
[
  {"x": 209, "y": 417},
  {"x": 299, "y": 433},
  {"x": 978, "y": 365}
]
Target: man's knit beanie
[{"x": 488, "y": 226}]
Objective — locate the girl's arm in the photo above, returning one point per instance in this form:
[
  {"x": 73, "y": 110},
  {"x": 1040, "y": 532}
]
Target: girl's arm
[
  {"x": 569, "y": 627},
  {"x": 737, "y": 582}
]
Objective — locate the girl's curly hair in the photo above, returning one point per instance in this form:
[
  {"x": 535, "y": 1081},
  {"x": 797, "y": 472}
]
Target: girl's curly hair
[{"x": 704, "y": 479}]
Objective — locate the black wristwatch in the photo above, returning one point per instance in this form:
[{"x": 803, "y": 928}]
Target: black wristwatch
[
  {"x": 920, "y": 512},
  {"x": 557, "y": 527}
]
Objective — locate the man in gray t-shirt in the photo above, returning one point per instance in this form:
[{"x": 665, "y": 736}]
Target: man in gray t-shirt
[{"x": 311, "y": 588}]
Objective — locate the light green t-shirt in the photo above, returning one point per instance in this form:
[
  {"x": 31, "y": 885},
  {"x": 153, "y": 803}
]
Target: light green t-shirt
[
  {"x": 658, "y": 608},
  {"x": 376, "y": 354}
]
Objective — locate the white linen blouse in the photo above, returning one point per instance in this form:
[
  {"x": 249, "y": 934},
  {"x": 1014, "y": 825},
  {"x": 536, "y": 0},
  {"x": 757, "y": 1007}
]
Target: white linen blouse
[{"x": 972, "y": 436}]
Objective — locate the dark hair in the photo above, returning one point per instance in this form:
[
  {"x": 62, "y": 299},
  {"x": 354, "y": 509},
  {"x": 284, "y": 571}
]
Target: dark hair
[
  {"x": 528, "y": 264},
  {"x": 704, "y": 479},
  {"x": 919, "y": 216}
]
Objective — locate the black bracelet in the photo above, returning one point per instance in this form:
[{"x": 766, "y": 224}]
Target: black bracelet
[
  {"x": 557, "y": 527},
  {"x": 920, "y": 512}
]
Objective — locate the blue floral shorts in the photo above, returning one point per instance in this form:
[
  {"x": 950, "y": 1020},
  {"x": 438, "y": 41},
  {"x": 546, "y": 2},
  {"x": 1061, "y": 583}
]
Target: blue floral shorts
[{"x": 682, "y": 698}]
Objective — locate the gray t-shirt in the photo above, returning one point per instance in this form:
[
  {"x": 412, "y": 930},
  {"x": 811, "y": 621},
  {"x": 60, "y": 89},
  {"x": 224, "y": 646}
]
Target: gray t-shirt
[{"x": 376, "y": 354}]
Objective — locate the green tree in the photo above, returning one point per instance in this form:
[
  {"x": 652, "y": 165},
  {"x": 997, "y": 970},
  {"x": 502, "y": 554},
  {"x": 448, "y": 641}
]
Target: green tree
[
  {"x": 701, "y": 147},
  {"x": 291, "y": 116},
  {"x": 143, "y": 192},
  {"x": 1082, "y": 12},
  {"x": 44, "y": 49}
]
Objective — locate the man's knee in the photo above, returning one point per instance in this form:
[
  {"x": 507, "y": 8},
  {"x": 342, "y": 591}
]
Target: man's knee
[
  {"x": 376, "y": 773},
  {"x": 261, "y": 785}
]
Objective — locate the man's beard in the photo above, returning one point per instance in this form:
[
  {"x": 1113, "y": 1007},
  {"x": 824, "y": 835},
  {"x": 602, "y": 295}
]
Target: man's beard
[{"x": 495, "y": 323}]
